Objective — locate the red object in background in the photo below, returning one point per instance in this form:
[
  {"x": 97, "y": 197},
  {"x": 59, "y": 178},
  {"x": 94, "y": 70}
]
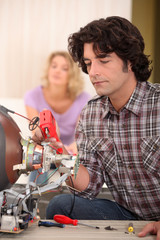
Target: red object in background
[{"x": 48, "y": 126}]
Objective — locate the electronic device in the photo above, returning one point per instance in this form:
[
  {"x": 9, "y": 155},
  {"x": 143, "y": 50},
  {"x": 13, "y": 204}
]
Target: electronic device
[{"x": 19, "y": 155}]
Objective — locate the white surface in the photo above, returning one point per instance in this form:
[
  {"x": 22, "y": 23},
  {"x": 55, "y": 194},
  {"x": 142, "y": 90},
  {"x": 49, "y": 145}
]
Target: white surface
[
  {"x": 79, "y": 232},
  {"x": 17, "y": 105},
  {"x": 31, "y": 29}
]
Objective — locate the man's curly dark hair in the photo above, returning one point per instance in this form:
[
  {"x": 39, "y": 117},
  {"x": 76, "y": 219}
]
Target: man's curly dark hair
[{"x": 113, "y": 34}]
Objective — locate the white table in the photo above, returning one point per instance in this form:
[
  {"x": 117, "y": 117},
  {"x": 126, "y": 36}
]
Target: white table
[{"x": 70, "y": 232}]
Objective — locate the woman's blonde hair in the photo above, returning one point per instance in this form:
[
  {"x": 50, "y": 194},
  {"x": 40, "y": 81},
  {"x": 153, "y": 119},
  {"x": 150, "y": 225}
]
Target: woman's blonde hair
[{"x": 75, "y": 83}]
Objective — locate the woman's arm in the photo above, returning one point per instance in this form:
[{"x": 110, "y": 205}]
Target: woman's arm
[
  {"x": 31, "y": 112},
  {"x": 72, "y": 148}
]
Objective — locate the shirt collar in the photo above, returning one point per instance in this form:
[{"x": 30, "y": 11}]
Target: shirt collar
[{"x": 134, "y": 103}]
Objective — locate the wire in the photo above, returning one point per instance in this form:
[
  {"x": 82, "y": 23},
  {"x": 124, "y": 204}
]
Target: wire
[
  {"x": 32, "y": 126},
  {"x": 4, "y": 199},
  {"x": 39, "y": 173},
  {"x": 32, "y": 122},
  {"x": 54, "y": 149},
  {"x": 52, "y": 173},
  {"x": 72, "y": 206},
  {"x": 11, "y": 111},
  {"x": 47, "y": 178},
  {"x": 21, "y": 192}
]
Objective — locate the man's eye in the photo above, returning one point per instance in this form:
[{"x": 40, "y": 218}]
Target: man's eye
[
  {"x": 88, "y": 64},
  {"x": 104, "y": 61}
]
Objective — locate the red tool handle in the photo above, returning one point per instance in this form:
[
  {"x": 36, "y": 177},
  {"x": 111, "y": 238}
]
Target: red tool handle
[
  {"x": 65, "y": 220},
  {"x": 48, "y": 126}
]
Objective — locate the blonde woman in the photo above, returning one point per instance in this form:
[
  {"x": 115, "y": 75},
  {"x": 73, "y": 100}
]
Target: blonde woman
[{"x": 62, "y": 93}]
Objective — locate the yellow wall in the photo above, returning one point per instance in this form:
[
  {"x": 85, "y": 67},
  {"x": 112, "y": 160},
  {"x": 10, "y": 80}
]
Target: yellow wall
[
  {"x": 143, "y": 16},
  {"x": 157, "y": 43}
]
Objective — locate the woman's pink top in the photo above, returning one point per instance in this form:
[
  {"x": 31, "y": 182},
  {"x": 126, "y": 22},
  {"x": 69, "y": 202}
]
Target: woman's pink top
[{"x": 66, "y": 121}]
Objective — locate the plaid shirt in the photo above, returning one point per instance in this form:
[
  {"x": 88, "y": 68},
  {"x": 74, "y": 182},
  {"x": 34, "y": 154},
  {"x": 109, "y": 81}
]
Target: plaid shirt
[{"x": 123, "y": 150}]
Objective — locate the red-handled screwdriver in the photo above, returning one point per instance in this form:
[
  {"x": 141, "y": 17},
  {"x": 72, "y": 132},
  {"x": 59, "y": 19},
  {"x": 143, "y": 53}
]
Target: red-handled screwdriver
[{"x": 66, "y": 220}]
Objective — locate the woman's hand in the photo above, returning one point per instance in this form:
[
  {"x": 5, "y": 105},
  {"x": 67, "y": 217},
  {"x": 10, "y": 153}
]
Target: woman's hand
[
  {"x": 38, "y": 137},
  {"x": 153, "y": 228}
]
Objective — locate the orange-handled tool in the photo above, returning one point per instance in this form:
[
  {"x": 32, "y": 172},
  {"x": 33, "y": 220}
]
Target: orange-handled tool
[{"x": 66, "y": 220}]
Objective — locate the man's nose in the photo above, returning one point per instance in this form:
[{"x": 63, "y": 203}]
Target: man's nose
[{"x": 94, "y": 70}]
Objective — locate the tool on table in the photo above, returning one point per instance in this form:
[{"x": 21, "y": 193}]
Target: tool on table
[
  {"x": 110, "y": 228},
  {"x": 66, "y": 220},
  {"x": 50, "y": 224},
  {"x": 130, "y": 227}
]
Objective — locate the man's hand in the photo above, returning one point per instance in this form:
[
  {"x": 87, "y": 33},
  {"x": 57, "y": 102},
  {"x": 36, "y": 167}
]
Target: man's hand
[
  {"x": 38, "y": 137},
  {"x": 153, "y": 228}
]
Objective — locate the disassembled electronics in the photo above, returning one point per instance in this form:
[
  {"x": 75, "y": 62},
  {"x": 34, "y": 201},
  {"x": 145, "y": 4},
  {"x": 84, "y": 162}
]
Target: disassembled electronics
[{"x": 19, "y": 155}]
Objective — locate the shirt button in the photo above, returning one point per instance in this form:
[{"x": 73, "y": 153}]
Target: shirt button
[
  {"x": 155, "y": 148},
  {"x": 136, "y": 186},
  {"x": 130, "y": 167},
  {"x": 99, "y": 146}
]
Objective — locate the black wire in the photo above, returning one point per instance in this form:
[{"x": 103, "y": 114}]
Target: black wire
[
  {"x": 72, "y": 206},
  {"x": 34, "y": 121},
  {"x": 21, "y": 192},
  {"x": 26, "y": 196}
]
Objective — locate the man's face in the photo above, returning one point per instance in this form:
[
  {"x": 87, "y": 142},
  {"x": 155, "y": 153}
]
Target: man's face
[{"x": 109, "y": 75}]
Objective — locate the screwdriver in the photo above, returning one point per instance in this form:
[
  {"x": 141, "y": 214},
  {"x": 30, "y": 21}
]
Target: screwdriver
[
  {"x": 66, "y": 220},
  {"x": 50, "y": 224}
]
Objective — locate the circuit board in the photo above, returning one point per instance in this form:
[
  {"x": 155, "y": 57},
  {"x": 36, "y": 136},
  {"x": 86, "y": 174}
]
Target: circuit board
[{"x": 18, "y": 230}]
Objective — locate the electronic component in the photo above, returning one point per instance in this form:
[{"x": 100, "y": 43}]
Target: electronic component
[{"x": 19, "y": 156}]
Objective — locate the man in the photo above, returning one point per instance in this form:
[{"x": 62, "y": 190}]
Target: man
[{"x": 118, "y": 135}]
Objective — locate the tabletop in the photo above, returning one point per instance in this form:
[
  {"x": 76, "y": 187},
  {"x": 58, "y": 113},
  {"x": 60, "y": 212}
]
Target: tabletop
[{"x": 107, "y": 230}]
